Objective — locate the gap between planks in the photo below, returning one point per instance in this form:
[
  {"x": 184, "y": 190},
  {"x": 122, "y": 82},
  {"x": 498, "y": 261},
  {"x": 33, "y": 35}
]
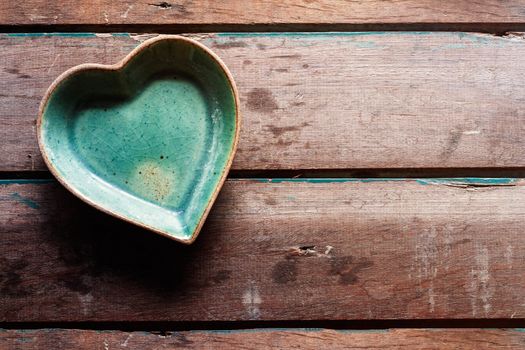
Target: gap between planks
[
  {"x": 422, "y": 173},
  {"x": 267, "y": 339},
  {"x": 497, "y": 29},
  {"x": 363, "y": 325}
]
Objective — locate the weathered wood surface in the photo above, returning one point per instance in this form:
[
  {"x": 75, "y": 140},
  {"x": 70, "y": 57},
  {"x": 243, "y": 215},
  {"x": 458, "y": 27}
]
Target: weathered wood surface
[
  {"x": 268, "y": 12},
  {"x": 319, "y": 101},
  {"x": 271, "y": 251},
  {"x": 442, "y": 339}
]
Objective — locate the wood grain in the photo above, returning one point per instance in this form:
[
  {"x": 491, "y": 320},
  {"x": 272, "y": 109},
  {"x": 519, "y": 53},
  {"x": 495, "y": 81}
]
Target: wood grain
[
  {"x": 319, "y": 101},
  {"x": 267, "y": 12},
  {"x": 466, "y": 339},
  {"x": 322, "y": 250}
]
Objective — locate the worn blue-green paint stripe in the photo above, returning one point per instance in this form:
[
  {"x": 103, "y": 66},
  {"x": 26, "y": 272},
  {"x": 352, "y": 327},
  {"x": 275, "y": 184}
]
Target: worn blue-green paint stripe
[
  {"x": 24, "y": 200},
  {"x": 466, "y": 39},
  {"x": 470, "y": 180},
  {"x": 317, "y": 34},
  {"x": 63, "y": 34},
  {"x": 422, "y": 181},
  {"x": 241, "y": 34},
  {"x": 26, "y": 181},
  {"x": 32, "y": 35},
  {"x": 461, "y": 35}
]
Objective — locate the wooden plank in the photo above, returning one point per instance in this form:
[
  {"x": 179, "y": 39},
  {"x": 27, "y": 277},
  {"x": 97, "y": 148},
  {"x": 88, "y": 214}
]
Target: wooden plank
[
  {"x": 474, "y": 339},
  {"x": 267, "y": 12},
  {"x": 319, "y": 101},
  {"x": 282, "y": 250}
]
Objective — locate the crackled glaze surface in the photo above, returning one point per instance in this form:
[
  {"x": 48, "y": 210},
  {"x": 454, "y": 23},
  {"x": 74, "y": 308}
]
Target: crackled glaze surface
[{"x": 149, "y": 141}]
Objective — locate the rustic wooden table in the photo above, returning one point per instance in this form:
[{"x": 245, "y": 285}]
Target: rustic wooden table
[{"x": 376, "y": 186}]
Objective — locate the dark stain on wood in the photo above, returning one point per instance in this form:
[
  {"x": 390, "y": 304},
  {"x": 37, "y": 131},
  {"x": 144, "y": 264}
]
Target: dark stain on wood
[
  {"x": 280, "y": 130},
  {"x": 293, "y": 56},
  {"x": 452, "y": 143},
  {"x": 463, "y": 241},
  {"x": 283, "y": 143},
  {"x": 229, "y": 44},
  {"x": 261, "y": 100},
  {"x": 182, "y": 340},
  {"x": 182, "y": 9},
  {"x": 285, "y": 271},
  {"x": 11, "y": 283},
  {"x": 74, "y": 282},
  {"x": 221, "y": 276},
  {"x": 347, "y": 269},
  {"x": 17, "y": 73},
  {"x": 270, "y": 200},
  {"x": 261, "y": 46},
  {"x": 246, "y": 62}
]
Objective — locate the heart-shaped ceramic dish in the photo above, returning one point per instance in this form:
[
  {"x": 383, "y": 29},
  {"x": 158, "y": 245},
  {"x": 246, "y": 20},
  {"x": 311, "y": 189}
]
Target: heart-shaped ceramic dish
[{"x": 150, "y": 139}]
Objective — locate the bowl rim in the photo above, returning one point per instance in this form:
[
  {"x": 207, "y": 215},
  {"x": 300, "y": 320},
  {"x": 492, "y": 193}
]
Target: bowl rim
[{"x": 118, "y": 67}]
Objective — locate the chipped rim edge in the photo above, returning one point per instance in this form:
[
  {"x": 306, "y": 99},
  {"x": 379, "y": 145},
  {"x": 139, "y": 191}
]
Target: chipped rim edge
[{"x": 117, "y": 67}]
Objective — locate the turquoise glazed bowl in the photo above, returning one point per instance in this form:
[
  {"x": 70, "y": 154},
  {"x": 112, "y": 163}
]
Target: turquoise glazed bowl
[{"x": 150, "y": 139}]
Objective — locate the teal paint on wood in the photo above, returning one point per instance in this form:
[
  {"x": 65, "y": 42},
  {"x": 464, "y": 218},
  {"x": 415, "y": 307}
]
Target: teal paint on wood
[
  {"x": 148, "y": 140},
  {"x": 470, "y": 181},
  {"x": 429, "y": 181},
  {"x": 461, "y": 35},
  {"x": 466, "y": 39},
  {"x": 316, "y": 34},
  {"x": 26, "y": 201},
  {"x": 25, "y": 181},
  {"x": 65, "y": 35},
  {"x": 425, "y": 181},
  {"x": 72, "y": 35}
]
